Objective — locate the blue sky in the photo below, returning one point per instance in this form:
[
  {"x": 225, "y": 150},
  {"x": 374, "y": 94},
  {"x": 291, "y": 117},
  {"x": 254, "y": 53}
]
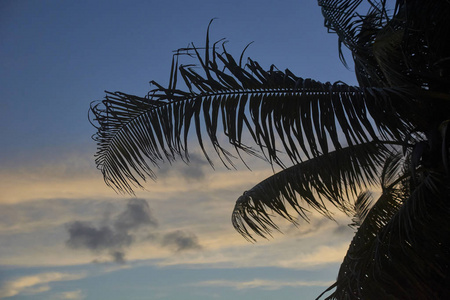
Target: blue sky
[{"x": 64, "y": 234}]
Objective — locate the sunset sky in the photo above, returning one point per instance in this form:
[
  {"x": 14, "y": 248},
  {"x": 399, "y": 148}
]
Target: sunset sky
[{"x": 65, "y": 235}]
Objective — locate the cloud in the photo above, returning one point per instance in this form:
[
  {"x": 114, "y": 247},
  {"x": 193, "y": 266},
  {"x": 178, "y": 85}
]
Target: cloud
[
  {"x": 343, "y": 229},
  {"x": 316, "y": 224},
  {"x": 41, "y": 214},
  {"x": 194, "y": 169},
  {"x": 86, "y": 235},
  {"x": 71, "y": 295},
  {"x": 191, "y": 171},
  {"x": 136, "y": 215},
  {"x": 114, "y": 235},
  {"x": 118, "y": 256},
  {"x": 229, "y": 250},
  {"x": 181, "y": 240},
  {"x": 260, "y": 283},
  {"x": 35, "y": 284},
  {"x": 321, "y": 255}
]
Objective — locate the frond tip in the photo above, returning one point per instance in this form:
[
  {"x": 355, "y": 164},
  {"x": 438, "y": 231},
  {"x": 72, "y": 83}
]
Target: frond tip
[{"x": 362, "y": 207}]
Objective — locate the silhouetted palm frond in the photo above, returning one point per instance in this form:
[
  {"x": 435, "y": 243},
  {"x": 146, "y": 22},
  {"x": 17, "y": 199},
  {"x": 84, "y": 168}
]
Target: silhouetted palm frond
[
  {"x": 396, "y": 253},
  {"x": 331, "y": 178},
  {"x": 337, "y": 138},
  {"x": 355, "y": 21},
  {"x": 278, "y": 111}
]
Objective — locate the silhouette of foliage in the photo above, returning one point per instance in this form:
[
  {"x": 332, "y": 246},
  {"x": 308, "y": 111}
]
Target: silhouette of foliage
[{"x": 391, "y": 130}]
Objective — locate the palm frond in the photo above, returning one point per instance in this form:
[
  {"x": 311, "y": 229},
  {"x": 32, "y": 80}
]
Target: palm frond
[
  {"x": 339, "y": 17},
  {"x": 353, "y": 269},
  {"x": 405, "y": 44},
  {"x": 352, "y": 20},
  {"x": 397, "y": 253},
  {"x": 277, "y": 111},
  {"x": 333, "y": 134},
  {"x": 392, "y": 168},
  {"x": 426, "y": 43},
  {"x": 328, "y": 179}
]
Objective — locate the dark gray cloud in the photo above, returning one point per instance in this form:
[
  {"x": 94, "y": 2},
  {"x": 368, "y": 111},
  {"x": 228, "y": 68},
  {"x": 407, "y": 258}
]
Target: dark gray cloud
[
  {"x": 84, "y": 235},
  {"x": 136, "y": 215},
  {"x": 113, "y": 235},
  {"x": 118, "y": 256},
  {"x": 180, "y": 241}
]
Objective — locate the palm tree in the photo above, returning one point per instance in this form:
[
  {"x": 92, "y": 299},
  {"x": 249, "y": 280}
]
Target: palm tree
[{"x": 391, "y": 130}]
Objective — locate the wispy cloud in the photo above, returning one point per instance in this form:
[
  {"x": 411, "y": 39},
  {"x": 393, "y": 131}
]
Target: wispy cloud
[
  {"x": 59, "y": 173},
  {"x": 108, "y": 229},
  {"x": 73, "y": 175},
  {"x": 193, "y": 170},
  {"x": 70, "y": 295},
  {"x": 260, "y": 283},
  {"x": 35, "y": 284},
  {"x": 321, "y": 255}
]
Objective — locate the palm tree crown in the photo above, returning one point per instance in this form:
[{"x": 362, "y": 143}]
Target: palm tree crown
[{"x": 391, "y": 130}]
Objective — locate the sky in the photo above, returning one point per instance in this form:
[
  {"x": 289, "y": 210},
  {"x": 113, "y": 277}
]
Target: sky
[{"x": 65, "y": 235}]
